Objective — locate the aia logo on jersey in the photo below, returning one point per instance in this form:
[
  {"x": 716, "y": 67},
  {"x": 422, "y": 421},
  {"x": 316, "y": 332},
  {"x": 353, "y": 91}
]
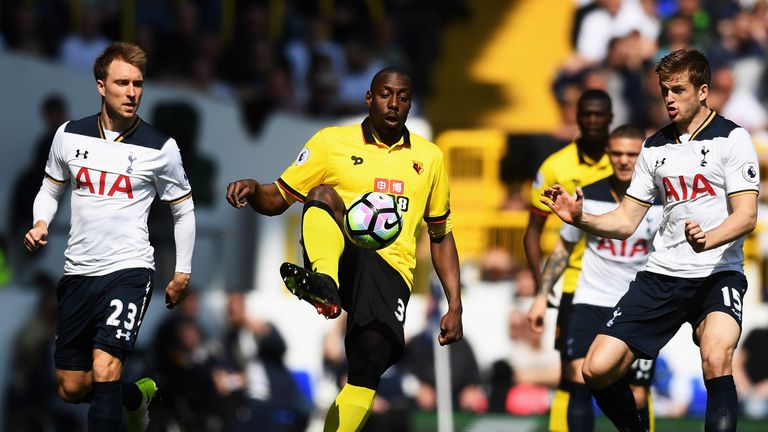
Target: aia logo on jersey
[
  {"x": 623, "y": 248},
  {"x": 121, "y": 183},
  {"x": 394, "y": 187},
  {"x": 683, "y": 188}
]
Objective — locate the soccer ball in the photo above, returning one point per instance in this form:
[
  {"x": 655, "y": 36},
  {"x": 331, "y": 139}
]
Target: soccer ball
[{"x": 373, "y": 221}]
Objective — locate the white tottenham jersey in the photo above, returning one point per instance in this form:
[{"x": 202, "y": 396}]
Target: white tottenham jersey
[
  {"x": 113, "y": 184},
  {"x": 696, "y": 175},
  {"x": 609, "y": 265}
]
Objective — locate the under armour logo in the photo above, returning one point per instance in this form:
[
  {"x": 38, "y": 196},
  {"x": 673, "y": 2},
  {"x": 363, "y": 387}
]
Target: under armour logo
[
  {"x": 357, "y": 160},
  {"x": 616, "y": 314},
  {"x": 660, "y": 162},
  {"x": 131, "y": 158},
  {"x": 121, "y": 334},
  {"x": 83, "y": 154},
  {"x": 704, "y": 152}
]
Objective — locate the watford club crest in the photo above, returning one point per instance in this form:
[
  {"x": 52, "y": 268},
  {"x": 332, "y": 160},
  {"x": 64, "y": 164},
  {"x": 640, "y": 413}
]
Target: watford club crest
[{"x": 418, "y": 167}]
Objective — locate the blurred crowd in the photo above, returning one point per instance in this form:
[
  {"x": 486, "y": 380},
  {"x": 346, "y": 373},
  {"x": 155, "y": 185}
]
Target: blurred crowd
[
  {"x": 316, "y": 58},
  {"x": 617, "y": 44},
  {"x": 303, "y": 56}
]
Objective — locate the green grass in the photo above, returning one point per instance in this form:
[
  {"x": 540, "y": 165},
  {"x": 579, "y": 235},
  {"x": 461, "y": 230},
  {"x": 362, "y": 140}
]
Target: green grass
[{"x": 463, "y": 422}]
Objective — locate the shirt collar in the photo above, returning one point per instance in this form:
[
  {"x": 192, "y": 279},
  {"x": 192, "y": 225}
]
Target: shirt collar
[{"x": 370, "y": 139}]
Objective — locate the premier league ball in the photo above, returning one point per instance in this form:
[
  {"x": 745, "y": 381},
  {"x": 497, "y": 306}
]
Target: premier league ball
[{"x": 373, "y": 221}]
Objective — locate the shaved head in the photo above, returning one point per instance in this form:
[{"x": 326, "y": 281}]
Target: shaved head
[{"x": 391, "y": 70}]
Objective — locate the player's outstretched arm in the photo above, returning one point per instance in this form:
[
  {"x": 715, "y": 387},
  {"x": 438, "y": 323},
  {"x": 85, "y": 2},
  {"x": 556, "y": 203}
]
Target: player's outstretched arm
[
  {"x": 553, "y": 269},
  {"x": 619, "y": 223},
  {"x": 265, "y": 199},
  {"x": 740, "y": 222},
  {"x": 445, "y": 258},
  {"x": 566, "y": 207}
]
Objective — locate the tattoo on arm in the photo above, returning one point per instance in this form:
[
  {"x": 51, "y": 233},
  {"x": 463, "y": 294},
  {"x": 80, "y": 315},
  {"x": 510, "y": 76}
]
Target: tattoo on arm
[{"x": 553, "y": 269}]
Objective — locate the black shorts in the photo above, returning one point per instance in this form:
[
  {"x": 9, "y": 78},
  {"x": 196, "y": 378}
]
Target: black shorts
[
  {"x": 564, "y": 311},
  {"x": 656, "y": 305},
  {"x": 103, "y": 312},
  {"x": 374, "y": 294},
  {"x": 585, "y": 322}
]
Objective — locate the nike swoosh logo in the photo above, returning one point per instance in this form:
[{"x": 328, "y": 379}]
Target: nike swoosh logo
[{"x": 388, "y": 225}]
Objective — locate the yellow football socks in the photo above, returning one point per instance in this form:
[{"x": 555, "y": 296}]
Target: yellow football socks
[
  {"x": 323, "y": 241},
  {"x": 350, "y": 410},
  {"x": 558, "y": 413}
]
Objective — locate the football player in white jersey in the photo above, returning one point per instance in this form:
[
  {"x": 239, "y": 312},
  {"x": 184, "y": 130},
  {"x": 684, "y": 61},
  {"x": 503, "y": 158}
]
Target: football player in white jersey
[
  {"x": 608, "y": 267},
  {"x": 116, "y": 164},
  {"x": 706, "y": 169}
]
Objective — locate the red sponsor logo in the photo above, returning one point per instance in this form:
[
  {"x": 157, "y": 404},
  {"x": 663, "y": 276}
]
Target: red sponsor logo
[
  {"x": 394, "y": 187},
  {"x": 121, "y": 183},
  {"x": 381, "y": 185},
  {"x": 681, "y": 188},
  {"x": 622, "y": 248}
]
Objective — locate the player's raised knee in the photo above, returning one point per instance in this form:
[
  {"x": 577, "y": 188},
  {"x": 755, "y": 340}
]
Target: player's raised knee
[{"x": 328, "y": 195}]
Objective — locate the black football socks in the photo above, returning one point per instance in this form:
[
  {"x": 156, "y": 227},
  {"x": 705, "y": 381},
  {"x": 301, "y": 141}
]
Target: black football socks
[
  {"x": 722, "y": 405},
  {"x": 618, "y": 404},
  {"x": 106, "y": 408}
]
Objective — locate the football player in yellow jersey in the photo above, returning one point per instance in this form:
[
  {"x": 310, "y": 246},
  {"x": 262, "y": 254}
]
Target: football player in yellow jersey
[
  {"x": 580, "y": 163},
  {"x": 335, "y": 166}
]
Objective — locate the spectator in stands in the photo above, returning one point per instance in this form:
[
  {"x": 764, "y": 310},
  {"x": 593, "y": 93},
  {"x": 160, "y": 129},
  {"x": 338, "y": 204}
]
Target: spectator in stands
[
  {"x": 677, "y": 34},
  {"x": 750, "y": 373},
  {"x": 739, "y": 106},
  {"x": 54, "y": 114},
  {"x": 183, "y": 363},
  {"x": 31, "y": 400},
  {"x": 615, "y": 18},
  {"x": 250, "y": 375},
  {"x": 535, "y": 368},
  {"x": 419, "y": 361},
  {"x": 80, "y": 49},
  {"x": 315, "y": 60},
  {"x": 178, "y": 48},
  {"x": 361, "y": 66}
]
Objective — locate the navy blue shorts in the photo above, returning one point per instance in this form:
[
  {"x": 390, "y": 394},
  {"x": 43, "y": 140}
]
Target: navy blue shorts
[
  {"x": 564, "y": 311},
  {"x": 585, "y": 322},
  {"x": 103, "y": 312},
  {"x": 656, "y": 305}
]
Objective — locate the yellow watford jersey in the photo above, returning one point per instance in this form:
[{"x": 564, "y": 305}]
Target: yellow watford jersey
[
  {"x": 570, "y": 168},
  {"x": 351, "y": 160}
]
